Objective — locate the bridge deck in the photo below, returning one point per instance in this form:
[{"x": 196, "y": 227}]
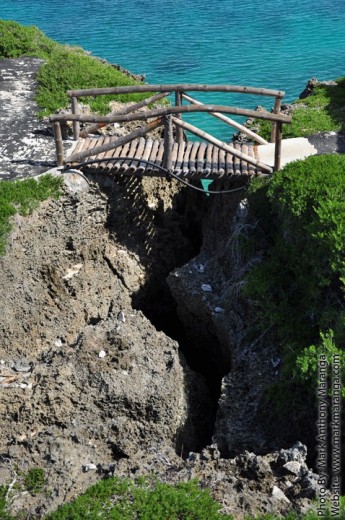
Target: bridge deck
[{"x": 191, "y": 159}]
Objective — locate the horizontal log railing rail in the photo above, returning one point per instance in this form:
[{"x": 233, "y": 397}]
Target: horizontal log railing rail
[{"x": 169, "y": 116}]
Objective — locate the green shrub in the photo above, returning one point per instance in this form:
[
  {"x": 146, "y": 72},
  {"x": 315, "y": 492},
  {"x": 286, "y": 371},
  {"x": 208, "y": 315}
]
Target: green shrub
[
  {"x": 23, "y": 197},
  {"x": 65, "y": 68},
  {"x": 17, "y": 40},
  {"x": 298, "y": 287},
  {"x": 35, "y": 480}
]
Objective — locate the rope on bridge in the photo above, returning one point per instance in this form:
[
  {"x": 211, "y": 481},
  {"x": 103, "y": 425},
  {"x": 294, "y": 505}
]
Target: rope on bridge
[{"x": 166, "y": 172}]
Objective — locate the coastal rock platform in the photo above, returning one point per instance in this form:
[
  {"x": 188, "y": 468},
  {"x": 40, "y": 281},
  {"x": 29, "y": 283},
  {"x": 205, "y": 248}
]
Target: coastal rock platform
[{"x": 27, "y": 147}]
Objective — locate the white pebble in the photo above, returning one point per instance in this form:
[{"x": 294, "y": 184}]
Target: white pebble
[
  {"x": 89, "y": 467},
  {"x": 121, "y": 317},
  {"x": 206, "y": 287},
  {"x": 102, "y": 354}
]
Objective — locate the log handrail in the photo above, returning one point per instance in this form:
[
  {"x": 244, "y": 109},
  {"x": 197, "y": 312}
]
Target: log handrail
[
  {"x": 159, "y": 112},
  {"x": 132, "y": 89}
]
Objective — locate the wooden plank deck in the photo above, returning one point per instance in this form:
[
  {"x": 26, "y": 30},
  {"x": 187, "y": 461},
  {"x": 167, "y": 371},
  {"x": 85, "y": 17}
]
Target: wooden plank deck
[{"x": 192, "y": 159}]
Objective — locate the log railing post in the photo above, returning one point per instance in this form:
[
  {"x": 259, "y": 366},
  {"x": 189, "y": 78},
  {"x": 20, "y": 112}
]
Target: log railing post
[
  {"x": 58, "y": 143},
  {"x": 276, "y": 110},
  {"x": 76, "y": 124},
  {"x": 168, "y": 142},
  {"x": 178, "y": 129},
  {"x": 278, "y": 146}
]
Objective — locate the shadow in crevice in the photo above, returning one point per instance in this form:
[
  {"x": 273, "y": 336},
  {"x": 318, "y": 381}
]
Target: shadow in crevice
[{"x": 162, "y": 224}]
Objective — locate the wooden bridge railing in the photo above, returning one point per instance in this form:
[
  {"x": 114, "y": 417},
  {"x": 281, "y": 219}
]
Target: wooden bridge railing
[{"x": 172, "y": 115}]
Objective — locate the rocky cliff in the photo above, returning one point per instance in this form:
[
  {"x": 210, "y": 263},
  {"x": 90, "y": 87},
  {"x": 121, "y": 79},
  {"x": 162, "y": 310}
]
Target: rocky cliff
[{"x": 91, "y": 381}]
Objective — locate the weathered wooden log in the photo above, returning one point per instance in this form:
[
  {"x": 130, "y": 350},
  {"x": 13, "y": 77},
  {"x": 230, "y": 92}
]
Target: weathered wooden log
[
  {"x": 164, "y": 111},
  {"x": 276, "y": 110},
  {"x": 230, "y": 149},
  {"x": 178, "y": 129},
  {"x": 140, "y": 167},
  {"x": 215, "y": 160},
  {"x": 121, "y": 153},
  {"x": 208, "y": 162},
  {"x": 145, "y": 157},
  {"x": 180, "y": 155},
  {"x": 221, "y": 165},
  {"x": 132, "y": 153},
  {"x": 160, "y": 154},
  {"x": 278, "y": 146},
  {"x": 79, "y": 157},
  {"x": 229, "y": 121},
  {"x": 168, "y": 142},
  {"x": 153, "y": 153},
  {"x": 192, "y": 159},
  {"x": 186, "y": 159},
  {"x": 76, "y": 124},
  {"x": 237, "y": 161},
  {"x": 176, "y": 88},
  {"x": 174, "y": 155},
  {"x": 58, "y": 143},
  {"x": 251, "y": 169},
  {"x": 126, "y": 110},
  {"x": 200, "y": 160}
]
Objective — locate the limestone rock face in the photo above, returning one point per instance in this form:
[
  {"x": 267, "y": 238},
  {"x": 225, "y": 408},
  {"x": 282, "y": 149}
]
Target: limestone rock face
[
  {"x": 85, "y": 379},
  {"x": 221, "y": 318}
]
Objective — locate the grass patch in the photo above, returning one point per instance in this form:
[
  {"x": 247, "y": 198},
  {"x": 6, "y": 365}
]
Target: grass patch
[
  {"x": 144, "y": 499},
  {"x": 65, "y": 68},
  {"x": 23, "y": 197},
  {"x": 322, "y": 111},
  {"x": 148, "y": 499}
]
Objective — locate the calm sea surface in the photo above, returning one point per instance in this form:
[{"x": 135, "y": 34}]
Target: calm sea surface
[{"x": 266, "y": 43}]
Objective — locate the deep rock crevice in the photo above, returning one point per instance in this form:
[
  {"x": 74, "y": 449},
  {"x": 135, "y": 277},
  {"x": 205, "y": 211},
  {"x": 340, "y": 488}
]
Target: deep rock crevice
[
  {"x": 171, "y": 230},
  {"x": 87, "y": 380}
]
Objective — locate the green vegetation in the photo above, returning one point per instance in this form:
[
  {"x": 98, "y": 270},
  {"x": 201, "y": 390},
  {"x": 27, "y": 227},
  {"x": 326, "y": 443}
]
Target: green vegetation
[
  {"x": 4, "y": 515},
  {"x": 322, "y": 111},
  {"x": 298, "y": 287},
  {"x": 23, "y": 197},
  {"x": 35, "y": 480},
  {"x": 65, "y": 68},
  {"x": 146, "y": 499}
]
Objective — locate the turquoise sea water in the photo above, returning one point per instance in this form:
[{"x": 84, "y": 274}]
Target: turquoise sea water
[{"x": 276, "y": 44}]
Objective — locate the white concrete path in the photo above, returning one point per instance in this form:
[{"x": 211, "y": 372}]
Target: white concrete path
[{"x": 292, "y": 150}]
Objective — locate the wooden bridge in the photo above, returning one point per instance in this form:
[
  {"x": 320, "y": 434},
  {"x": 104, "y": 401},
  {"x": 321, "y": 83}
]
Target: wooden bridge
[{"x": 135, "y": 154}]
